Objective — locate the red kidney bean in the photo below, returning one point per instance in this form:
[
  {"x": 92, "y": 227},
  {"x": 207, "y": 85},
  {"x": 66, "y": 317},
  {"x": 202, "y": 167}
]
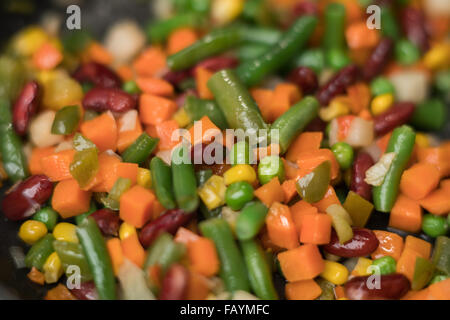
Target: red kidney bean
[
  {"x": 25, "y": 107},
  {"x": 391, "y": 287},
  {"x": 378, "y": 59},
  {"x": 303, "y": 8},
  {"x": 305, "y": 78},
  {"x": 87, "y": 291},
  {"x": 414, "y": 26},
  {"x": 26, "y": 197},
  {"x": 104, "y": 99},
  {"x": 361, "y": 164},
  {"x": 108, "y": 221},
  {"x": 169, "y": 222},
  {"x": 395, "y": 116},
  {"x": 175, "y": 283},
  {"x": 176, "y": 77},
  {"x": 218, "y": 63},
  {"x": 338, "y": 84},
  {"x": 316, "y": 124},
  {"x": 364, "y": 242},
  {"x": 98, "y": 74}
]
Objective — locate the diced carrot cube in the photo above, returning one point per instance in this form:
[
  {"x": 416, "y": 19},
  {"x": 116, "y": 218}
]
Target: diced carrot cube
[
  {"x": 270, "y": 192},
  {"x": 299, "y": 210},
  {"x": 390, "y": 244},
  {"x": 306, "y": 141},
  {"x": 316, "y": 229},
  {"x": 35, "y": 159},
  {"x": 419, "y": 180},
  {"x": 57, "y": 166},
  {"x": 302, "y": 263},
  {"x": 136, "y": 206},
  {"x": 406, "y": 214},
  {"x": 422, "y": 247},
  {"x": 280, "y": 226},
  {"x": 202, "y": 76},
  {"x": 102, "y": 131},
  {"x": 69, "y": 200},
  {"x": 150, "y": 62},
  {"x": 437, "y": 202},
  {"x": 303, "y": 290},
  {"x": 328, "y": 199},
  {"x": 133, "y": 250},
  {"x": 115, "y": 252},
  {"x": 154, "y": 109}
]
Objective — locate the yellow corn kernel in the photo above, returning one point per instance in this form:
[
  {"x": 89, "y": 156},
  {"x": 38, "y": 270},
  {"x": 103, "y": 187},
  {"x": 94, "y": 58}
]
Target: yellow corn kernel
[
  {"x": 126, "y": 230},
  {"x": 65, "y": 231},
  {"x": 361, "y": 267},
  {"x": 422, "y": 140},
  {"x": 343, "y": 298},
  {"x": 29, "y": 41},
  {"x": 182, "y": 118},
  {"x": 53, "y": 269},
  {"x": 437, "y": 57},
  {"x": 240, "y": 172},
  {"x": 31, "y": 231},
  {"x": 225, "y": 11},
  {"x": 335, "y": 272},
  {"x": 381, "y": 103},
  {"x": 212, "y": 192},
  {"x": 336, "y": 108},
  {"x": 144, "y": 178}
]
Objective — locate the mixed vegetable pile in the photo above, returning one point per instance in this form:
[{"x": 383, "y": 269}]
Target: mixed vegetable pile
[{"x": 89, "y": 137}]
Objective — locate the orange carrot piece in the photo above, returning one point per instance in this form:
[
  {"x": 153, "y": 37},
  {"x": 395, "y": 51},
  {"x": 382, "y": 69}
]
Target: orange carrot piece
[
  {"x": 96, "y": 52},
  {"x": 198, "y": 287},
  {"x": 202, "y": 76},
  {"x": 47, "y": 57},
  {"x": 437, "y": 202},
  {"x": 156, "y": 86},
  {"x": 307, "y": 141},
  {"x": 60, "y": 292},
  {"x": 57, "y": 166},
  {"x": 302, "y": 263},
  {"x": 281, "y": 227},
  {"x": 445, "y": 184},
  {"x": 127, "y": 136},
  {"x": 125, "y": 73},
  {"x": 158, "y": 209},
  {"x": 270, "y": 192},
  {"x": 203, "y": 131},
  {"x": 316, "y": 229},
  {"x": 291, "y": 170},
  {"x": 167, "y": 133},
  {"x": 184, "y": 235},
  {"x": 440, "y": 290},
  {"x": 69, "y": 200},
  {"x": 303, "y": 290},
  {"x": 339, "y": 292},
  {"x": 203, "y": 256},
  {"x": 359, "y": 97},
  {"x": 115, "y": 252},
  {"x": 106, "y": 175},
  {"x": 133, "y": 250},
  {"x": 328, "y": 199},
  {"x": 272, "y": 149},
  {"x": 154, "y": 109},
  {"x": 150, "y": 62},
  {"x": 136, "y": 206},
  {"x": 102, "y": 131},
  {"x": 289, "y": 190},
  {"x": 284, "y": 96},
  {"x": 37, "y": 154},
  {"x": 382, "y": 142},
  {"x": 181, "y": 38},
  {"x": 263, "y": 98},
  {"x": 391, "y": 244},
  {"x": 36, "y": 276},
  {"x": 407, "y": 262},
  {"x": 436, "y": 156},
  {"x": 406, "y": 214},
  {"x": 419, "y": 180},
  {"x": 299, "y": 210},
  {"x": 307, "y": 161},
  {"x": 422, "y": 247},
  {"x": 359, "y": 36}
]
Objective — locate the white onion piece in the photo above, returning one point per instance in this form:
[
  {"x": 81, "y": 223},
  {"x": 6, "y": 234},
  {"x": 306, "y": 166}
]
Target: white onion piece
[
  {"x": 133, "y": 283},
  {"x": 374, "y": 151},
  {"x": 360, "y": 133},
  {"x": 375, "y": 174},
  {"x": 333, "y": 134},
  {"x": 65, "y": 145},
  {"x": 410, "y": 85},
  {"x": 243, "y": 295},
  {"x": 40, "y": 130},
  {"x": 124, "y": 40},
  {"x": 128, "y": 121}
]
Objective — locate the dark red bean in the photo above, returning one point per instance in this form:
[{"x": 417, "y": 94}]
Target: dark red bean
[
  {"x": 87, "y": 291},
  {"x": 98, "y": 74},
  {"x": 338, "y": 84},
  {"x": 378, "y": 59},
  {"x": 363, "y": 243},
  {"x": 316, "y": 124},
  {"x": 305, "y": 78},
  {"x": 108, "y": 221},
  {"x": 26, "y": 197},
  {"x": 391, "y": 287},
  {"x": 176, "y": 77},
  {"x": 414, "y": 26},
  {"x": 215, "y": 64},
  {"x": 175, "y": 283},
  {"x": 361, "y": 164},
  {"x": 397, "y": 115},
  {"x": 25, "y": 107},
  {"x": 304, "y": 8},
  {"x": 169, "y": 222},
  {"x": 104, "y": 99}
]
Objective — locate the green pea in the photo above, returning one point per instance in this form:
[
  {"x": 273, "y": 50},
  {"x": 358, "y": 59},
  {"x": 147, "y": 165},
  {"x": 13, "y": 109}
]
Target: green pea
[
  {"x": 386, "y": 264},
  {"x": 240, "y": 153},
  {"x": 238, "y": 194},
  {"x": 434, "y": 226},
  {"x": 438, "y": 278},
  {"x": 337, "y": 59},
  {"x": 270, "y": 167},
  {"x": 131, "y": 87},
  {"x": 344, "y": 154},
  {"x": 47, "y": 216},
  {"x": 381, "y": 85},
  {"x": 406, "y": 52}
]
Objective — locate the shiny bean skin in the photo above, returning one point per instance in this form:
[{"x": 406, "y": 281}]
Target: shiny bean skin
[
  {"x": 25, "y": 107},
  {"x": 378, "y": 59},
  {"x": 338, "y": 84},
  {"x": 97, "y": 74},
  {"x": 363, "y": 243},
  {"x": 87, "y": 291},
  {"x": 215, "y": 64},
  {"x": 175, "y": 283},
  {"x": 112, "y": 99},
  {"x": 169, "y": 222},
  {"x": 26, "y": 197},
  {"x": 395, "y": 116},
  {"x": 391, "y": 287},
  {"x": 305, "y": 78},
  {"x": 361, "y": 164},
  {"x": 108, "y": 221},
  {"x": 414, "y": 26}
]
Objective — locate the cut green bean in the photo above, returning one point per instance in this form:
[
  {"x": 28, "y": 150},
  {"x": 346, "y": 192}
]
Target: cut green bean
[
  {"x": 162, "y": 181},
  {"x": 140, "y": 150},
  {"x": 251, "y": 220},
  {"x": 334, "y": 37}
]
